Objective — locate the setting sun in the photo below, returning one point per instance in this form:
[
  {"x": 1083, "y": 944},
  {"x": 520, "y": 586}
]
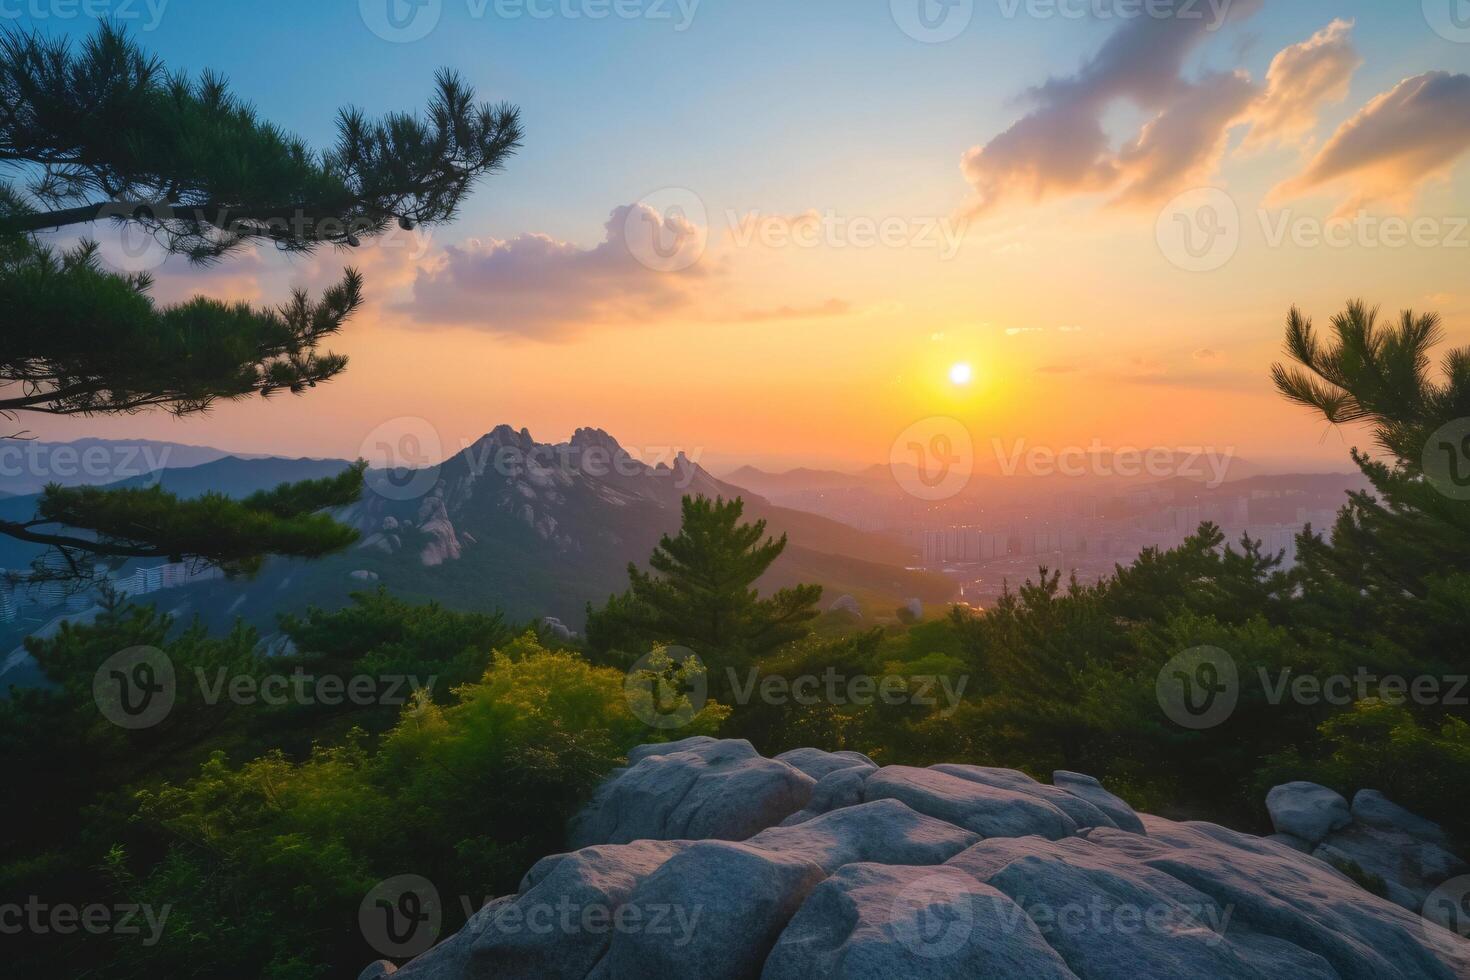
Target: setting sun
[{"x": 961, "y": 374}]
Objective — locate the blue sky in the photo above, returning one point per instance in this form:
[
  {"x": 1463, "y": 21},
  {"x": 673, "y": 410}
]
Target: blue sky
[
  {"x": 1078, "y": 326},
  {"x": 762, "y": 103}
]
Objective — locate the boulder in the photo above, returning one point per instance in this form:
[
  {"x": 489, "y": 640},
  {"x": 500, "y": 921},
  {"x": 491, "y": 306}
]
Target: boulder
[
  {"x": 1276, "y": 892},
  {"x": 1083, "y": 813},
  {"x": 718, "y": 790},
  {"x": 1372, "y": 809},
  {"x": 986, "y": 810},
  {"x": 1307, "y": 811},
  {"x": 884, "y": 831},
  {"x": 1409, "y": 868},
  {"x": 1112, "y": 917},
  {"x": 839, "y": 788},
  {"x": 878, "y": 921},
  {"x": 948, "y": 872},
  {"x": 1089, "y": 789},
  {"x": 560, "y": 924},
  {"x": 816, "y": 763},
  {"x": 726, "y": 903}
]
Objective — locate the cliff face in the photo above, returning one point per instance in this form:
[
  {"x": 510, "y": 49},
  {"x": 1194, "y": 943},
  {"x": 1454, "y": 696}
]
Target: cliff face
[{"x": 703, "y": 859}]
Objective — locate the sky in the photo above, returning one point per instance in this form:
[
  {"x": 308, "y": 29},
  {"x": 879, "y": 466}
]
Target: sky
[{"x": 1104, "y": 208}]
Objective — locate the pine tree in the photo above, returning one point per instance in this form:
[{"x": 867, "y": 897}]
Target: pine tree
[
  {"x": 703, "y": 594},
  {"x": 1404, "y": 549},
  {"x": 104, "y": 133}
]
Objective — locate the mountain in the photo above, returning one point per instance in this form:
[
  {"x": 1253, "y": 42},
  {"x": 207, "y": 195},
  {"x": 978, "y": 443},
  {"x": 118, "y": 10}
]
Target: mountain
[
  {"x": 544, "y": 528},
  {"x": 533, "y": 529},
  {"x": 800, "y": 480},
  {"x": 26, "y": 466}
]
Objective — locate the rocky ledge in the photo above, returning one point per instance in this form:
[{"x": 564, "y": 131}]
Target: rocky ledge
[{"x": 703, "y": 859}]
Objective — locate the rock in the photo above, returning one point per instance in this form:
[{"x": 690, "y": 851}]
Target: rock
[
  {"x": 1307, "y": 811},
  {"x": 1112, "y": 917},
  {"x": 816, "y": 763},
  {"x": 1295, "y": 843},
  {"x": 720, "y": 790},
  {"x": 1371, "y": 808},
  {"x": 875, "y": 921},
  {"x": 986, "y": 810},
  {"x": 846, "y": 604},
  {"x": 840, "y": 788},
  {"x": 949, "y": 872},
  {"x": 1276, "y": 892},
  {"x": 1083, "y": 814},
  {"x": 640, "y": 752},
  {"x": 560, "y": 923},
  {"x": 1409, "y": 867},
  {"x": 886, "y": 831},
  {"x": 1090, "y": 790},
  {"x": 735, "y": 900}
]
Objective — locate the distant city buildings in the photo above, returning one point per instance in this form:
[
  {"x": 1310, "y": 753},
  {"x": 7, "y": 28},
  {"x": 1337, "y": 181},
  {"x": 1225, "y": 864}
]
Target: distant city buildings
[
  {"x": 44, "y": 599},
  {"x": 1090, "y": 537}
]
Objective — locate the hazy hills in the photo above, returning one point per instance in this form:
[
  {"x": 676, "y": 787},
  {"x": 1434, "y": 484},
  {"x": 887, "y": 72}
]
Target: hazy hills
[{"x": 530, "y": 528}]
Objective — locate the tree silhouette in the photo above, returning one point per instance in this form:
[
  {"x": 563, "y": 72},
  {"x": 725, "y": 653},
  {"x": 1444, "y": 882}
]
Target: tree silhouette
[
  {"x": 703, "y": 596},
  {"x": 103, "y": 132}
]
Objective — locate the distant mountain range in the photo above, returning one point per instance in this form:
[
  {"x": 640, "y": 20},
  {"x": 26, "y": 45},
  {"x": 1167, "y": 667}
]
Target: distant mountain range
[
  {"x": 533, "y": 529},
  {"x": 875, "y": 498},
  {"x": 26, "y": 465}
]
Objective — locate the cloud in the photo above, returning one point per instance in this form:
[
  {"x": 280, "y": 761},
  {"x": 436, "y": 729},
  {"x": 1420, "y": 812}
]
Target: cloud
[
  {"x": 1302, "y": 79},
  {"x": 535, "y": 286},
  {"x": 1206, "y": 354},
  {"x": 1179, "y": 146},
  {"x": 1061, "y": 147},
  {"x": 1399, "y": 141}
]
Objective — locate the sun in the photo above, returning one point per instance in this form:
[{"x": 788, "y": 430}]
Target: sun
[{"x": 961, "y": 374}]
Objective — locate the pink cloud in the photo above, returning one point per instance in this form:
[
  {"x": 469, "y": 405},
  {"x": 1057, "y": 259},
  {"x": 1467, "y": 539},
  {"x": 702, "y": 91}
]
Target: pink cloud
[{"x": 1398, "y": 142}]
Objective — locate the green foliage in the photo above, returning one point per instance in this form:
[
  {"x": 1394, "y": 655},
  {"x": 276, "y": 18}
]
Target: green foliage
[
  {"x": 262, "y": 827},
  {"x": 108, "y": 132},
  {"x": 704, "y": 595},
  {"x": 105, "y": 133}
]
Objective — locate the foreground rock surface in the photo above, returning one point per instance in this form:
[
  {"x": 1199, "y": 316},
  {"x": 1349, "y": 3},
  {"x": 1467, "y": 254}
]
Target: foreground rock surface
[{"x": 703, "y": 859}]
